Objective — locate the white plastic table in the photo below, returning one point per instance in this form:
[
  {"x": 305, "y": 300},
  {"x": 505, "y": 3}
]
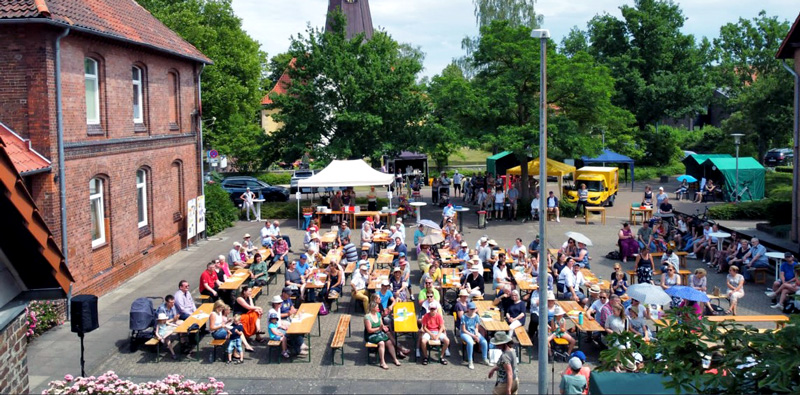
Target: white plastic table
[
  {"x": 258, "y": 208},
  {"x": 720, "y": 237},
  {"x": 778, "y": 257},
  {"x": 461, "y": 212},
  {"x": 418, "y": 206}
]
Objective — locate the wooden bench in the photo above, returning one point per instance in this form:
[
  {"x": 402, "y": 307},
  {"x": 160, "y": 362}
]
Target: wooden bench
[
  {"x": 342, "y": 331},
  {"x": 523, "y": 340},
  {"x": 255, "y": 291},
  {"x": 351, "y": 267},
  {"x": 217, "y": 343},
  {"x": 371, "y": 348},
  {"x": 779, "y": 320},
  {"x": 334, "y": 298},
  {"x": 760, "y": 275},
  {"x": 274, "y": 270},
  {"x": 593, "y": 209},
  {"x": 204, "y": 298},
  {"x": 681, "y": 256},
  {"x": 157, "y": 344},
  {"x": 273, "y": 345}
]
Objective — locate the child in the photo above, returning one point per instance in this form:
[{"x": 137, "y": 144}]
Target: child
[
  {"x": 277, "y": 334},
  {"x": 164, "y": 333},
  {"x": 235, "y": 341},
  {"x": 620, "y": 285},
  {"x": 558, "y": 328}
]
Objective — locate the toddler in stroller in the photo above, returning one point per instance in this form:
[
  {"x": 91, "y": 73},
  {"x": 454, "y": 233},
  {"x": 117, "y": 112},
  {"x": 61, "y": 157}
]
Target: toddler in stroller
[{"x": 444, "y": 196}]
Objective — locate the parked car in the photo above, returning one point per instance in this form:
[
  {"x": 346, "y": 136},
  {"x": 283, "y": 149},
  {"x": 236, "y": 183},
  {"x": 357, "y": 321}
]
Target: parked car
[
  {"x": 236, "y": 186},
  {"x": 779, "y": 157},
  {"x": 300, "y": 175}
]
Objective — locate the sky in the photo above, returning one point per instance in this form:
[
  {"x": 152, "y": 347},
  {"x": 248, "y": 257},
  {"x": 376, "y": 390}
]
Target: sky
[{"x": 438, "y": 26}]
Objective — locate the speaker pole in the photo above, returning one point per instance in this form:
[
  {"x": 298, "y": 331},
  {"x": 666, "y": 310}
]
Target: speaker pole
[{"x": 83, "y": 362}]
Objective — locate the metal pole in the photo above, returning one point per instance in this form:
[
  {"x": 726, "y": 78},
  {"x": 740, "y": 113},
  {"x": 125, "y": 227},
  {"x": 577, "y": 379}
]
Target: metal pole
[
  {"x": 736, "y": 197},
  {"x": 543, "y": 35}
]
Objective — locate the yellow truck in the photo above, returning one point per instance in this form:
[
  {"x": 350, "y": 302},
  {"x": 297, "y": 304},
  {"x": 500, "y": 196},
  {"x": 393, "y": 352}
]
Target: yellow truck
[{"x": 602, "y": 183}]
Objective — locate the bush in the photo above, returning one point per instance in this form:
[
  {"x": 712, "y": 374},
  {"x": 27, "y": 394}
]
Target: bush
[
  {"x": 283, "y": 178},
  {"x": 41, "y": 316},
  {"x": 784, "y": 169},
  {"x": 775, "y": 211},
  {"x": 110, "y": 383},
  {"x": 220, "y": 211},
  {"x": 650, "y": 173}
]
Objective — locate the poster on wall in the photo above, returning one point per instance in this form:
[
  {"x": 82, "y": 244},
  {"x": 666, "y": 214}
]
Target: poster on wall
[
  {"x": 191, "y": 219},
  {"x": 201, "y": 214}
]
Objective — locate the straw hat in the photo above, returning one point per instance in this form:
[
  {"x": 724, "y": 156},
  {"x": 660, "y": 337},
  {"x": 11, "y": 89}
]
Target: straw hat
[
  {"x": 551, "y": 295},
  {"x": 500, "y": 338},
  {"x": 463, "y": 292},
  {"x": 162, "y": 317},
  {"x": 492, "y": 242},
  {"x": 558, "y": 311},
  {"x": 594, "y": 289},
  {"x": 277, "y": 299}
]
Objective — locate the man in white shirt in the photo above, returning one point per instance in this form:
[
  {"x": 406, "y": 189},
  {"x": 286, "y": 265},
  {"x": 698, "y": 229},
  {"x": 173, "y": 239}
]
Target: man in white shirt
[
  {"x": 401, "y": 229},
  {"x": 568, "y": 282},
  {"x": 359, "y": 286},
  {"x": 247, "y": 203},
  {"x": 266, "y": 240},
  {"x": 234, "y": 255},
  {"x": 518, "y": 252}
]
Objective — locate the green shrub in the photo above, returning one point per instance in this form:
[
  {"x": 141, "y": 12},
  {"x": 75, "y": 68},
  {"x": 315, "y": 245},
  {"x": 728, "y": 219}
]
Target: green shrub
[
  {"x": 220, "y": 211},
  {"x": 774, "y": 211},
  {"x": 784, "y": 169},
  {"x": 566, "y": 208},
  {"x": 649, "y": 173},
  {"x": 276, "y": 178}
]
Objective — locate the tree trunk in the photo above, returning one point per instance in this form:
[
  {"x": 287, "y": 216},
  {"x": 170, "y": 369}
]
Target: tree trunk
[{"x": 523, "y": 183}]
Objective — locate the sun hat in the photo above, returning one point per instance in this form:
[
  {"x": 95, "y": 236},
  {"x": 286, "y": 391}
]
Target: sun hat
[
  {"x": 500, "y": 338},
  {"x": 492, "y": 242},
  {"x": 475, "y": 259},
  {"x": 273, "y": 316},
  {"x": 463, "y": 292},
  {"x": 246, "y": 235},
  {"x": 162, "y": 316},
  {"x": 237, "y": 244},
  {"x": 277, "y": 299},
  {"x": 551, "y": 295},
  {"x": 314, "y": 235},
  {"x": 575, "y": 364},
  {"x": 475, "y": 270},
  {"x": 558, "y": 311},
  {"x": 595, "y": 289},
  {"x": 384, "y": 283},
  {"x": 484, "y": 239},
  {"x": 395, "y": 270},
  {"x": 464, "y": 244},
  {"x": 471, "y": 306}
]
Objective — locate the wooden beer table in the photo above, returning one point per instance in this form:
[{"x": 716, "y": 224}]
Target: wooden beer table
[
  {"x": 491, "y": 319},
  {"x": 199, "y": 317},
  {"x": 303, "y": 321}
]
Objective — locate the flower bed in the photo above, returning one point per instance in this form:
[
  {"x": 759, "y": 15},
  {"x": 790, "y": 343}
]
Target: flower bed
[
  {"x": 42, "y": 315},
  {"x": 110, "y": 383}
]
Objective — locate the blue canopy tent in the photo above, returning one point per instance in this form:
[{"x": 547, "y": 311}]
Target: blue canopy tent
[{"x": 609, "y": 156}]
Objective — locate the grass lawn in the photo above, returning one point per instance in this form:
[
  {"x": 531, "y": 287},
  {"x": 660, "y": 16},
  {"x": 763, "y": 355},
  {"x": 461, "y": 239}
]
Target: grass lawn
[{"x": 466, "y": 156}]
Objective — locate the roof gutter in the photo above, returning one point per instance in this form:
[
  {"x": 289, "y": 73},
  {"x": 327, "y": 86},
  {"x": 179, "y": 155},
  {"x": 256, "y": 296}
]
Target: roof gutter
[
  {"x": 200, "y": 133},
  {"x": 795, "y": 141},
  {"x": 62, "y": 185},
  {"x": 29, "y": 21}
]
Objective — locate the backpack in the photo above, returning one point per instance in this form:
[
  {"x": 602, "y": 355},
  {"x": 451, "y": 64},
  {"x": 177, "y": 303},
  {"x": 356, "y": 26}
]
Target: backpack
[{"x": 614, "y": 255}]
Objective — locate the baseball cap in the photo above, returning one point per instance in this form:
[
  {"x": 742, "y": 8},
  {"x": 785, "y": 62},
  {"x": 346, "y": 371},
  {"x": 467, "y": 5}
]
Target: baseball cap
[
  {"x": 363, "y": 267},
  {"x": 575, "y": 364},
  {"x": 580, "y": 355},
  {"x": 402, "y": 254},
  {"x": 433, "y": 305},
  {"x": 303, "y": 256},
  {"x": 286, "y": 290},
  {"x": 471, "y": 306},
  {"x": 384, "y": 283},
  {"x": 273, "y": 316}
]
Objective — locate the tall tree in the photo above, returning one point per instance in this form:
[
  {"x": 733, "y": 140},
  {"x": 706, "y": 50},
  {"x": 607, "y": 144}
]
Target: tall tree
[
  {"x": 349, "y": 98},
  {"x": 755, "y": 83},
  {"x": 659, "y": 70},
  {"x": 233, "y": 85}
]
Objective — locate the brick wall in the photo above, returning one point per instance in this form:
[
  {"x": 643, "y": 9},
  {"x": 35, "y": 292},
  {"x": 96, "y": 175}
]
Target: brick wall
[
  {"x": 114, "y": 151},
  {"x": 14, "y": 348}
]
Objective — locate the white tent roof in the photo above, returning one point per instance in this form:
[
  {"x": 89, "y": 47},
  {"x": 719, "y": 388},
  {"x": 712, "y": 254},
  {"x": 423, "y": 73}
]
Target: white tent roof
[{"x": 347, "y": 173}]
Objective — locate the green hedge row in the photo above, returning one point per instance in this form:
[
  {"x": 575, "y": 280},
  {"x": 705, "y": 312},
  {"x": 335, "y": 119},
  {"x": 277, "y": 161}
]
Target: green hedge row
[
  {"x": 276, "y": 178},
  {"x": 650, "y": 173},
  {"x": 775, "y": 211},
  {"x": 220, "y": 211},
  {"x": 784, "y": 169}
]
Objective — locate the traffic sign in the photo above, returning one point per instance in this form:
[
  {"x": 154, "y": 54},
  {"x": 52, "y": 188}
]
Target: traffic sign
[{"x": 212, "y": 154}]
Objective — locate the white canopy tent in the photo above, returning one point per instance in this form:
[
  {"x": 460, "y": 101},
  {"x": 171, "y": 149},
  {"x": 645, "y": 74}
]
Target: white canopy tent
[{"x": 347, "y": 173}]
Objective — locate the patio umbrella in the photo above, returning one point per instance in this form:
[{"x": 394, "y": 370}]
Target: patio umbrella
[
  {"x": 688, "y": 293},
  {"x": 687, "y": 177},
  {"x": 579, "y": 238},
  {"x": 432, "y": 239},
  {"x": 428, "y": 223},
  {"x": 648, "y": 294}
]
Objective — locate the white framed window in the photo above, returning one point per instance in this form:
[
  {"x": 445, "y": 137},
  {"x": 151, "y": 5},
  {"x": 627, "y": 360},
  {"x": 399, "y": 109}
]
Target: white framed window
[
  {"x": 92, "y": 82},
  {"x": 141, "y": 196},
  {"x": 138, "y": 108},
  {"x": 97, "y": 209}
]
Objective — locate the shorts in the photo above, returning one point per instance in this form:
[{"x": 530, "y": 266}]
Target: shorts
[
  {"x": 513, "y": 203},
  {"x": 439, "y": 335},
  {"x": 498, "y": 206},
  {"x": 235, "y": 344}
]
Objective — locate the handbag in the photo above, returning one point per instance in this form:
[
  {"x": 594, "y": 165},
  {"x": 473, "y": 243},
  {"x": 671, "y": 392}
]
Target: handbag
[{"x": 323, "y": 310}]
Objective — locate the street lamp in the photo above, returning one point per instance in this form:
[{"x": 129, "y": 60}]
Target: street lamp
[
  {"x": 542, "y": 35},
  {"x": 737, "y": 141}
]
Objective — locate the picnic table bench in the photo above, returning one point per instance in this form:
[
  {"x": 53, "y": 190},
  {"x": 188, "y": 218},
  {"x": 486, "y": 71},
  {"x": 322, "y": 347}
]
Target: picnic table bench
[
  {"x": 199, "y": 317},
  {"x": 342, "y": 331},
  {"x": 303, "y": 321},
  {"x": 523, "y": 340},
  {"x": 779, "y": 320}
]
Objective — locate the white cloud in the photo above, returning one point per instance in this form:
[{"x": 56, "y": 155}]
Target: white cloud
[{"x": 438, "y": 26}]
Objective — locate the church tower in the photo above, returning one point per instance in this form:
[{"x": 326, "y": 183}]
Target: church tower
[{"x": 359, "y": 19}]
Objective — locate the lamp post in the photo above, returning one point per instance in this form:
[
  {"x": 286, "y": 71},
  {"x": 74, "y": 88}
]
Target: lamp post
[
  {"x": 542, "y": 35},
  {"x": 737, "y": 141}
]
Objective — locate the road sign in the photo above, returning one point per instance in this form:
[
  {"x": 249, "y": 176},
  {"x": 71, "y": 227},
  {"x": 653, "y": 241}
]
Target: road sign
[{"x": 212, "y": 154}]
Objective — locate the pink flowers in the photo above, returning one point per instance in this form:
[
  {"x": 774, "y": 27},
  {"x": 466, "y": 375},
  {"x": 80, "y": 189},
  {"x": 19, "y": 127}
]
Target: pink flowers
[
  {"x": 110, "y": 383},
  {"x": 41, "y": 316}
]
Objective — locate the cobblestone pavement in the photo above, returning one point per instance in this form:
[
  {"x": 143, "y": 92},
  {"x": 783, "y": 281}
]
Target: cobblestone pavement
[{"x": 57, "y": 352}]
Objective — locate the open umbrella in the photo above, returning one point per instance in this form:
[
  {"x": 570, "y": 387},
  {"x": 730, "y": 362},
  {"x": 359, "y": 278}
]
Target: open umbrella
[
  {"x": 648, "y": 294},
  {"x": 435, "y": 237},
  {"x": 688, "y": 293},
  {"x": 579, "y": 238},
  {"x": 428, "y": 223},
  {"x": 687, "y": 177}
]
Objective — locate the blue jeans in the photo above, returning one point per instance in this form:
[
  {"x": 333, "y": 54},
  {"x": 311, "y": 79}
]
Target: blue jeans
[
  {"x": 689, "y": 244},
  {"x": 471, "y": 344}
]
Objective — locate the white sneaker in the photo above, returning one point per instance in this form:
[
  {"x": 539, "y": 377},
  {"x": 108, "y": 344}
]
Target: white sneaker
[
  {"x": 418, "y": 353},
  {"x": 558, "y": 219},
  {"x": 447, "y": 352},
  {"x": 691, "y": 255},
  {"x": 770, "y": 294},
  {"x": 471, "y": 366},
  {"x": 776, "y": 306},
  {"x": 705, "y": 262}
]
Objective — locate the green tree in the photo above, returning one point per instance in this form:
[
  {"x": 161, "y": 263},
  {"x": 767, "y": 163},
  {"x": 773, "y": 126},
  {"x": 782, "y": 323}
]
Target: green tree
[
  {"x": 233, "y": 85},
  {"x": 746, "y": 67},
  {"x": 349, "y": 98},
  {"x": 659, "y": 71},
  {"x": 516, "y": 12},
  {"x": 575, "y": 41}
]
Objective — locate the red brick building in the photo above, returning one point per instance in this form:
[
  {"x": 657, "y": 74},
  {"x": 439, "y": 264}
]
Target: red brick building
[{"x": 130, "y": 103}]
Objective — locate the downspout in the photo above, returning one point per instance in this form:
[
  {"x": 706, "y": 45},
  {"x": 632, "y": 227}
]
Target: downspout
[
  {"x": 62, "y": 185},
  {"x": 200, "y": 132},
  {"x": 796, "y": 140}
]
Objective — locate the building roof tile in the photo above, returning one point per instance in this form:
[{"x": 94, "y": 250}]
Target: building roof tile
[
  {"x": 26, "y": 160},
  {"x": 282, "y": 86}
]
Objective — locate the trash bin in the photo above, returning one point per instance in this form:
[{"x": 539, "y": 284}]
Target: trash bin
[
  {"x": 392, "y": 217},
  {"x": 481, "y": 219}
]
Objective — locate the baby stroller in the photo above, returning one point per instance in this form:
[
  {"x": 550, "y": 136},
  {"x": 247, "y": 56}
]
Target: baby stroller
[
  {"x": 142, "y": 320},
  {"x": 444, "y": 196}
]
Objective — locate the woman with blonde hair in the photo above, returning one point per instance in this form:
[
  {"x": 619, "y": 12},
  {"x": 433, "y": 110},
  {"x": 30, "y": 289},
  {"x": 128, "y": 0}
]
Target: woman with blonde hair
[{"x": 735, "y": 283}]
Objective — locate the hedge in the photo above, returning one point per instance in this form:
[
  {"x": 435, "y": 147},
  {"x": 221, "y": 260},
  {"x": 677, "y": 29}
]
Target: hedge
[
  {"x": 648, "y": 173},
  {"x": 276, "y": 178},
  {"x": 775, "y": 211},
  {"x": 220, "y": 211},
  {"x": 288, "y": 210}
]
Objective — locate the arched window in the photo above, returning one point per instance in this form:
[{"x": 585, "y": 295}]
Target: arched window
[
  {"x": 138, "y": 102},
  {"x": 97, "y": 207},
  {"x": 173, "y": 100},
  {"x": 92, "y": 81},
  {"x": 141, "y": 196}
]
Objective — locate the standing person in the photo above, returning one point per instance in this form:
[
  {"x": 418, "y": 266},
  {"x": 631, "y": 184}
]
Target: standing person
[
  {"x": 499, "y": 202},
  {"x": 435, "y": 190},
  {"x": 372, "y": 199},
  {"x": 247, "y": 204},
  {"x": 660, "y": 197},
  {"x": 235, "y": 342},
  {"x": 573, "y": 383},
  {"x": 457, "y": 177},
  {"x": 507, "y": 381},
  {"x": 513, "y": 196},
  {"x": 583, "y": 198}
]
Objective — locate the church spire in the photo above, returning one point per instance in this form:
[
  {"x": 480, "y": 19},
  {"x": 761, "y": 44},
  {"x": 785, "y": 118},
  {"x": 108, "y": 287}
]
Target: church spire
[{"x": 359, "y": 19}]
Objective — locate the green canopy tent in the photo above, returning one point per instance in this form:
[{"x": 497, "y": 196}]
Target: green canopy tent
[
  {"x": 627, "y": 383},
  {"x": 694, "y": 164},
  {"x": 751, "y": 175},
  {"x": 500, "y": 162}
]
